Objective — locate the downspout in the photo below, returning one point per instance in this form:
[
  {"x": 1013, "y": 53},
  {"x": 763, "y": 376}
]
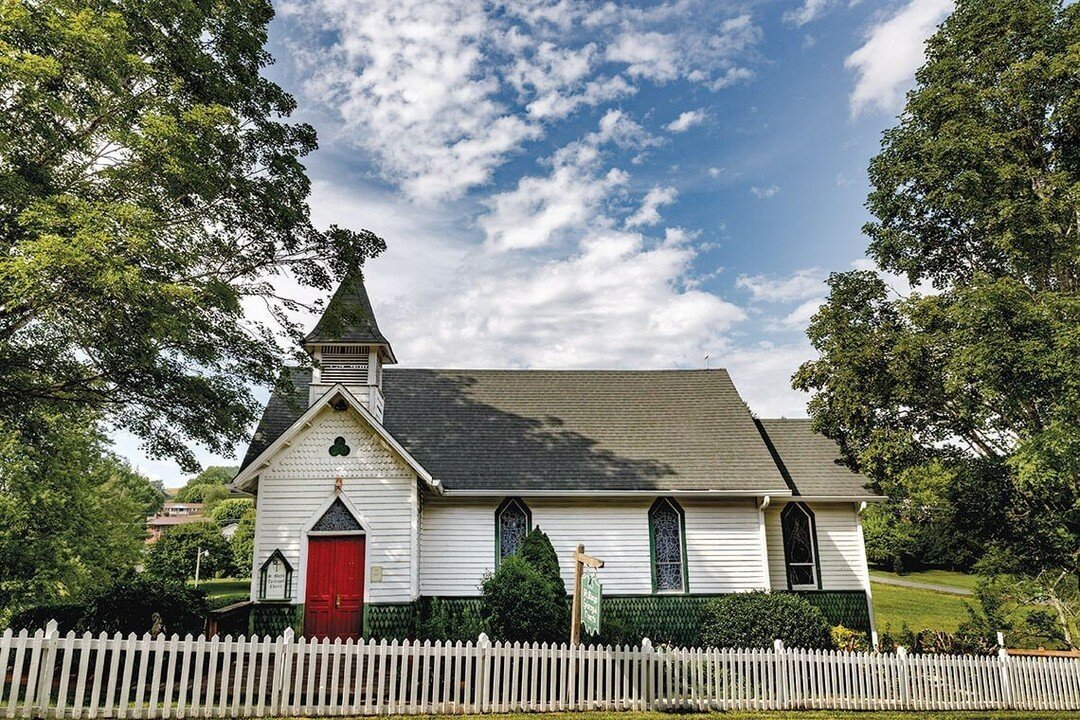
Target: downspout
[
  {"x": 866, "y": 581},
  {"x": 761, "y": 505}
]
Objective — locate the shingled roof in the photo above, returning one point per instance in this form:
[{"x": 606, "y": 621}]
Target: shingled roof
[
  {"x": 530, "y": 430},
  {"x": 811, "y": 462},
  {"x": 348, "y": 317},
  {"x": 593, "y": 430}
]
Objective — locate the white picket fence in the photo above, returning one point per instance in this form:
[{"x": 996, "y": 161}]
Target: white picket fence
[{"x": 46, "y": 675}]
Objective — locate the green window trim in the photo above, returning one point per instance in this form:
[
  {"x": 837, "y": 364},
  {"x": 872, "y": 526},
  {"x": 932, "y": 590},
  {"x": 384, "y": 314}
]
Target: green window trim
[
  {"x": 812, "y": 520},
  {"x": 658, "y": 505},
  {"x": 507, "y": 504}
]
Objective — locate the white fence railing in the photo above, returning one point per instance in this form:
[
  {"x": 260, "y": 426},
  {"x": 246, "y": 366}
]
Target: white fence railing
[{"x": 47, "y": 675}]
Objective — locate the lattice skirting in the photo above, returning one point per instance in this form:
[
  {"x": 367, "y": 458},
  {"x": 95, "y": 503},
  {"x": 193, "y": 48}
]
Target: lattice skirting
[{"x": 626, "y": 618}]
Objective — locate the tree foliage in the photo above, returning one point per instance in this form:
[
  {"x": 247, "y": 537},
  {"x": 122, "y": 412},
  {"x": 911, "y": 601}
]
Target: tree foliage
[
  {"x": 72, "y": 516},
  {"x": 243, "y": 544},
  {"x": 150, "y": 191},
  {"x": 230, "y": 511},
  {"x": 967, "y": 389},
  {"x": 173, "y": 556}
]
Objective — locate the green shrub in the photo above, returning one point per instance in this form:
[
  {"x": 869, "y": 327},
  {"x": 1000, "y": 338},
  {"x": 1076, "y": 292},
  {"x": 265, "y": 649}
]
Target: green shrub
[
  {"x": 174, "y": 555},
  {"x": 140, "y": 603},
  {"x": 756, "y": 619},
  {"x": 243, "y": 543},
  {"x": 136, "y": 603},
  {"x": 66, "y": 615},
  {"x": 518, "y": 604},
  {"x": 849, "y": 640},
  {"x": 448, "y": 619},
  {"x": 538, "y": 552}
]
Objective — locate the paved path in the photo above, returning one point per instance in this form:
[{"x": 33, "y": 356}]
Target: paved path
[{"x": 948, "y": 589}]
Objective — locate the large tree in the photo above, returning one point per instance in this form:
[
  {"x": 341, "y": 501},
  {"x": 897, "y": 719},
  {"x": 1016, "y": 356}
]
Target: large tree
[
  {"x": 72, "y": 516},
  {"x": 152, "y": 204},
  {"x": 968, "y": 387}
]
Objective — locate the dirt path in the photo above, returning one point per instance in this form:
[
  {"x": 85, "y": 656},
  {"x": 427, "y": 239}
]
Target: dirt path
[{"x": 947, "y": 589}]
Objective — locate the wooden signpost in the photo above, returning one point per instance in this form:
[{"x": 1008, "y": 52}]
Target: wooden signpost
[{"x": 580, "y": 561}]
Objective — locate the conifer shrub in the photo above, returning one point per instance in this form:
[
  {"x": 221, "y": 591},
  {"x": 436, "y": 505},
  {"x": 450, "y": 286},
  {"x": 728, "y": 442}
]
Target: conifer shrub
[
  {"x": 525, "y": 598},
  {"x": 757, "y": 619}
]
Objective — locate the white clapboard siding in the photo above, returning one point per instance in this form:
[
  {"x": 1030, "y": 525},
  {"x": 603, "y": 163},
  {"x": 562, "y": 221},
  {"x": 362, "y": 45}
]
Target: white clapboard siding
[
  {"x": 45, "y": 675},
  {"x": 723, "y": 543},
  {"x": 300, "y": 481},
  {"x": 841, "y": 552}
]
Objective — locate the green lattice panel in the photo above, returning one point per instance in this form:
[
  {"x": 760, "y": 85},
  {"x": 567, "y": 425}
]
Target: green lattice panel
[
  {"x": 847, "y": 608},
  {"x": 272, "y": 620},
  {"x": 390, "y": 621}
]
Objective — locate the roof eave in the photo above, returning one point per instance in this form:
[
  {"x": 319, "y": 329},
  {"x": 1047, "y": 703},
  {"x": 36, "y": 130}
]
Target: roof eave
[{"x": 642, "y": 492}]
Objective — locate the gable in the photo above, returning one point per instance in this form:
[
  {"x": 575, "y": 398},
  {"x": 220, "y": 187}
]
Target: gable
[{"x": 320, "y": 443}]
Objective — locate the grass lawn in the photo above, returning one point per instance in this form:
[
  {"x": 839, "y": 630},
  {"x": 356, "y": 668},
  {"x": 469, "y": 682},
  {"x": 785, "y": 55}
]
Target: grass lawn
[
  {"x": 216, "y": 587},
  {"x": 774, "y": 715},
  {"x": 950, "y": 578},
  {"x": 920, "y": 609}
]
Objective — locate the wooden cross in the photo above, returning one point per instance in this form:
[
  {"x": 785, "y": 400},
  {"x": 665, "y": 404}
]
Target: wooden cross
[{"x": 580, "y": 561}]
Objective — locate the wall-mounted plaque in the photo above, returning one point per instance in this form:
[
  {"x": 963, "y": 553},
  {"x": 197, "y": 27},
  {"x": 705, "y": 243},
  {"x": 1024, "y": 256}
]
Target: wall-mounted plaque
[{"x": 275, "y": 578}]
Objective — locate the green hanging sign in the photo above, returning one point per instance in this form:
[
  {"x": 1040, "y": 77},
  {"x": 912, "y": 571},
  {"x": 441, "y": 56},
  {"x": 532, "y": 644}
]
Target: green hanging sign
[{"x": 591, "y": 591}]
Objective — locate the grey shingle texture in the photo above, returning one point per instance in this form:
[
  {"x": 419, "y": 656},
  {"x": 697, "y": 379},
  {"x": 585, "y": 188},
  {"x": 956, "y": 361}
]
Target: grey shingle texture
[
  {"x": 595, "y": 430},
  {"x": 811, "y": 462}
]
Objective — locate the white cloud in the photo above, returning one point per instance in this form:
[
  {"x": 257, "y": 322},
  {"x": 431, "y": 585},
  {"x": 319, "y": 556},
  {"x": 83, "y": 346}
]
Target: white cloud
[
  {"x": 649, "y": 212},
  {"x": 541, "y": 209},
  {"x": 441, "y": 93},
  {"x": 800, "y": 285},
  {"x": 686, "y": 120},
  {"x": 715, "y": 172},
  {"x": 764, "y": 193},
  {"x": 886, "y": 63},
  {"x": 762, "y": 373},
  {"x": 809, "y": 11},
  {"x": 800, "y": 316}
]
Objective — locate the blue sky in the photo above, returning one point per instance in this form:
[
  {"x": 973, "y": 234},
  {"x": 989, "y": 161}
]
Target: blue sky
[{"x": 569, "y": 184}]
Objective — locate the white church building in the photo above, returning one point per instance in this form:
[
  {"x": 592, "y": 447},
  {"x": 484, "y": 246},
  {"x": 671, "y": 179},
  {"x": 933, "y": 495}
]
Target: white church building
[{"x": 381, "y": 488}]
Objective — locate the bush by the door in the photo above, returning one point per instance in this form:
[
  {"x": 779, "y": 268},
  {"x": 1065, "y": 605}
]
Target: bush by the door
[{"x": 757, "y": 619}]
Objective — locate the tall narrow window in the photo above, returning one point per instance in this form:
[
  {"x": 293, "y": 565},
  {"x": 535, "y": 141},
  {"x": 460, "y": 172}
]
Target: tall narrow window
[
  {"x": 512, "y": 520},
  {"x": 800, "y": 547},
  {"x": 668, "y": 548}
]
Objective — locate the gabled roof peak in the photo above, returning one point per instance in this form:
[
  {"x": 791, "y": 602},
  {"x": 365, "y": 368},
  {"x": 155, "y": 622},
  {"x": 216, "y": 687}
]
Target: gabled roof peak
[{"x": 349, "y": 318}]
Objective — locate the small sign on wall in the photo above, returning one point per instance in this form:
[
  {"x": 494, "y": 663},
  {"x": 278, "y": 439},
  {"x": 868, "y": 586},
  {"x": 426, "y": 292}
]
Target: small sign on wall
[{"x": 275, "y": 578}]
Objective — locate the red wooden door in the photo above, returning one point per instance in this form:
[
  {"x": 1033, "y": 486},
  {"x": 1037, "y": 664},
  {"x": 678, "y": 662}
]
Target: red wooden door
[{"x": 334, "y": 606}]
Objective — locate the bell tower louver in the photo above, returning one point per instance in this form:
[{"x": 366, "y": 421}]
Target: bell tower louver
[{"x": 348, "y": 347}]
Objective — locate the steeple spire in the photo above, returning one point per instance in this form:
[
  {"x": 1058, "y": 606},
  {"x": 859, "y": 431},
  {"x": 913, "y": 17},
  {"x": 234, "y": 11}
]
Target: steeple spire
[{"x": 348, "y": 347}]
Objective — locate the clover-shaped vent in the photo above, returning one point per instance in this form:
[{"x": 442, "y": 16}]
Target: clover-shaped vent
[{"x": 339, "y": 448}]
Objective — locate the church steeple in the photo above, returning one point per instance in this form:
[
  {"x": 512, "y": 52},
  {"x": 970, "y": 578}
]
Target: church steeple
[{"x": 348, "y": 347}]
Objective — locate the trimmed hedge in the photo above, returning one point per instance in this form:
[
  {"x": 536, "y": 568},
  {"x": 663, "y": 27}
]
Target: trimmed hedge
[
  {"x": 756, "y": 619},
  {"x": 134, "y": 604}
]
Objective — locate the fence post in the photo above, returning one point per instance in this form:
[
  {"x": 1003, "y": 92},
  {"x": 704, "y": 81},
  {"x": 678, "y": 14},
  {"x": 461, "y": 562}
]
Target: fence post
[
  {"x": 45, "y": 668},
  {"x": 779, "y": 675},
  {"x": 1006, "y": 676},
  {"x": 484, "y": 658},
  {"x": 282, "y": 657},
  {"x": 902, "y": 677},
  {"x": 646, "y": 674}
]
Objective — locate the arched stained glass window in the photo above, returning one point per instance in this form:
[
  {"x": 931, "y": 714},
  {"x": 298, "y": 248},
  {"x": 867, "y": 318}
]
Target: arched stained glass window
[
  {"x": 512, "y": 521},
  {"x": 668, "y": 549},
  {"x": 800, "y": 547}
]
